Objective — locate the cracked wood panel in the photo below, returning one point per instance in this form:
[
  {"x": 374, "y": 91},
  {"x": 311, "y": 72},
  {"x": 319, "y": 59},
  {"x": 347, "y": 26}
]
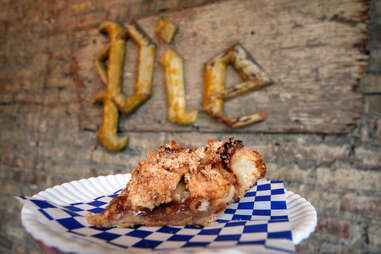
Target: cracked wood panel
[{"x": 310, "y": 48}]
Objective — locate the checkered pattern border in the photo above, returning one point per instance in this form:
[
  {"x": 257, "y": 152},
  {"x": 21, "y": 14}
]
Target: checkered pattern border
[{"x": 258, "y": 220}]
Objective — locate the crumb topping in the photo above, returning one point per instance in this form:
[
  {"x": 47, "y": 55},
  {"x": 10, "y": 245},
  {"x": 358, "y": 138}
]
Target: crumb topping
[
  {"x": 175, "y": 180},
  {"x": 151, "y": 185}
]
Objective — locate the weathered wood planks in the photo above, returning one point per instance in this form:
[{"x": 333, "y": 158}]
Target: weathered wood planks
[{"x": 310, "y": 49}]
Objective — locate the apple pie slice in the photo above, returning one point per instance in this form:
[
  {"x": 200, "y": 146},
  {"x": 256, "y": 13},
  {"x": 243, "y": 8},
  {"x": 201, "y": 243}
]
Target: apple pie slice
[{"x": 184, "y": 186}]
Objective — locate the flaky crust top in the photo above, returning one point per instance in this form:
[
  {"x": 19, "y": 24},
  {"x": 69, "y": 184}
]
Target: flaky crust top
[
  {"x": 208, "y": 172},
  {"x": 195, "y": 183}
]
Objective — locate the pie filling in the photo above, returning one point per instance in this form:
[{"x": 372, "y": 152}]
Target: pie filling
[
  {"x": 183, "y": 186},
  {"x": 173, "y": 213}
]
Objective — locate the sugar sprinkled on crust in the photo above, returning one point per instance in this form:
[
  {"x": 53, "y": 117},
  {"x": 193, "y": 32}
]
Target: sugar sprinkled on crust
[
  {"x": 151, "y": 185},
  {"x": 202, "y": 180}
]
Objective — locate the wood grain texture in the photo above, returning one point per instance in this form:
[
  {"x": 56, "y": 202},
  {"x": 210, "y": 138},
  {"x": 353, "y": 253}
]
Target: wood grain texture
[{"x": 309, "y": 48}]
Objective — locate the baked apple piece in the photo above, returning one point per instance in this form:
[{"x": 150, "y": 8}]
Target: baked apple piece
[{"x": 184, "y": 186}]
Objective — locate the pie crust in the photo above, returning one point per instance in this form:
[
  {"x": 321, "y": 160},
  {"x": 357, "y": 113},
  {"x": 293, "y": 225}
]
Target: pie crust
[{"x": 184, "y": 186}]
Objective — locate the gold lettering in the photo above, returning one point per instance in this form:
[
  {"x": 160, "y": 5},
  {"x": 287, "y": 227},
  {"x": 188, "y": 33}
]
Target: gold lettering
[
  {"x": 174, "y": 79},
  {"x": 252, "y": 73},
  {"x": 112, "y": 98}
]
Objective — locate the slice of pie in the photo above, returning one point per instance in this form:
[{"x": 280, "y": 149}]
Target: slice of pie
[{"x": 184, "y": 186}]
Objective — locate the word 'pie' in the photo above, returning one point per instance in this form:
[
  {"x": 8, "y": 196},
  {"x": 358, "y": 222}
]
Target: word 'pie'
[{"x": 184, "y": 186}]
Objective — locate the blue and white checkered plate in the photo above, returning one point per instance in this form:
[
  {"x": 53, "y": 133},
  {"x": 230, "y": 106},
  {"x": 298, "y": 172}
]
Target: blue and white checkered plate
[{"x": 267, "y": 220}]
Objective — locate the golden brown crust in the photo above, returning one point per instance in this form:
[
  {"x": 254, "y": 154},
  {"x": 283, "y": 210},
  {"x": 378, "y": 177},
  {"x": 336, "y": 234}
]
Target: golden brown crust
[
  {"x": 209, "y": 183},
  {"x": 165, "y": 30},
  {"x": 214, "y": 87},
  {"x": 112, "y": 77},
  {"x": 174, "y": 79},
  {"x": 193, "y": 183},
  {"x": 151, "y": 185},
  {"x": 241, "y": 163},
  {"x": 112, "y": 98},
  {"x": 143, "y": 85}
]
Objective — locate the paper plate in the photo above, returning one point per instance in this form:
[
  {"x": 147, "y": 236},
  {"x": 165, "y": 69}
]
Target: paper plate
[{"x": 301, "y": 214}]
